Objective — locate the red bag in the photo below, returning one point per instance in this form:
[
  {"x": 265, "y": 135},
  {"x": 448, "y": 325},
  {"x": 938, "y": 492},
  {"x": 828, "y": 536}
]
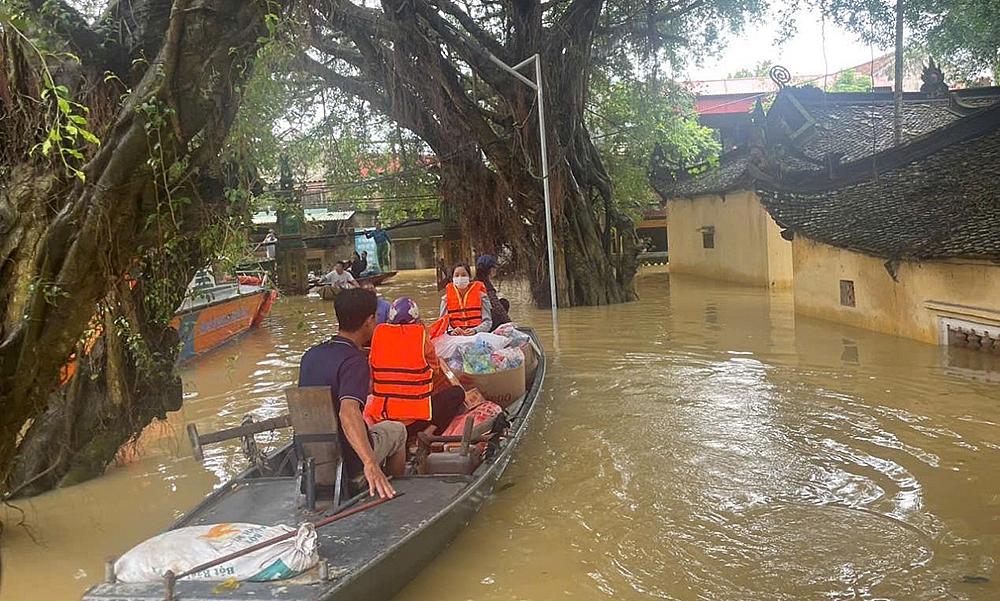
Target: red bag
[{"x": 482, "y": 412}]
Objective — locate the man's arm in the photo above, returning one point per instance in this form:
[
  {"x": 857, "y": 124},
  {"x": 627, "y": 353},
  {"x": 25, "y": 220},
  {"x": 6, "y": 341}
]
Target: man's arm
[
  {"x": 353, "y": 424},
  {"x": 351, "y": 282}
]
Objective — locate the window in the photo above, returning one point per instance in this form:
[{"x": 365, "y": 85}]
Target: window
[
  {"x": 708, "y": 236},
  {"x": 314, "y": 265},
  {"x": 846, "y": 293}
]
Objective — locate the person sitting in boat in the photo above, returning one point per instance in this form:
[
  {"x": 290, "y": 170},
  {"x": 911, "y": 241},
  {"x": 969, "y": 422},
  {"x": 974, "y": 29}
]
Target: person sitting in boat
[
  {"x": 382, "y": 315},
  {"x": 370, "y": 268},
  {"x": 410, "y": 384},
  {"x": 486, "y": 266},
  {"x": 340, "y": 364},
  {"x": 465, "y": 306},
  {"x": 357, "y": 265},
  {"x": 339, "y": 279}
]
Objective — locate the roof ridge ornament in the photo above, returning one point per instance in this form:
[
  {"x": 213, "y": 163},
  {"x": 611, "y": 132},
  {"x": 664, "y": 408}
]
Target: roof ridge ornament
[
  {"x": 933, "y": 79},
  {"x": 780, "y": 76}
]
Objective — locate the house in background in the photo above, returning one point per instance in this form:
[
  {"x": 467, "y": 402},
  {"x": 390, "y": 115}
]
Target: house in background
[
  {"x": 906, "y": 242},
  {"x": 652, "y": 233},
  {"x": 718, "y": 227}
]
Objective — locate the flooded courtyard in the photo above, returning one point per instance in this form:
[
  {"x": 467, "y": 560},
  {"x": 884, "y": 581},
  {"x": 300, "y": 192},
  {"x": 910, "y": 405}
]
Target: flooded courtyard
[{"x": 702, "y": 443}]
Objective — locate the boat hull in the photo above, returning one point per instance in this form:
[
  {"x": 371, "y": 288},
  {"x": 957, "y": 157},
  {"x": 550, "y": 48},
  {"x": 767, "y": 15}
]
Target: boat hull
[
  {"x": 205, "y": 328},
  {"x": 372, "y": 555}
]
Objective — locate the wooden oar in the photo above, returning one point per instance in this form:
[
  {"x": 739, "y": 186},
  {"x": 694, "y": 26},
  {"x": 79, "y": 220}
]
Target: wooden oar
[
  {"x": 197, "y": 441},
  {"x": 170, "y": 578}
]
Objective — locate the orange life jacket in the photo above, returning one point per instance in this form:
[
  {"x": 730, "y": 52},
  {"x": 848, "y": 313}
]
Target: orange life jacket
[
  {"x": 402, "y": 379},
  {"x": 465, "y": 310}
]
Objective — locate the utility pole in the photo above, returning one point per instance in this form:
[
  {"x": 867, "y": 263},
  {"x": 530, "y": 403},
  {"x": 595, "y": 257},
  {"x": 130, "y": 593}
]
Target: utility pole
[
  {"x": 898, "y": 88},
  {"x": 537, "y": 87}
]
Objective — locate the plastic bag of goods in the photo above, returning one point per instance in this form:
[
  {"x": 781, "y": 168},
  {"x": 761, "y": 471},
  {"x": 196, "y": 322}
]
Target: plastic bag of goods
[
  {"x": 476, "y": 359},
  {"x": 185, "y": 548},
  {"x": 507, "y": 358},
  {"x": 514, "y": 336},
  {"x": 447, "y": 346}
]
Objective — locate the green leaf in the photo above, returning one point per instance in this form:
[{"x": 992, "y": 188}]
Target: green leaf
[{"x": 89, "y": 137}]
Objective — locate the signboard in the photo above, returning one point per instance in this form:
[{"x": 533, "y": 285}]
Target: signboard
[{"x": 363, "y": 243}]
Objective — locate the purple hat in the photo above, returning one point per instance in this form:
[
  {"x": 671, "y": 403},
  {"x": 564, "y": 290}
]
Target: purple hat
[
  {"x": 404, "y": 310},
  {"x": 486, "y": 261}
]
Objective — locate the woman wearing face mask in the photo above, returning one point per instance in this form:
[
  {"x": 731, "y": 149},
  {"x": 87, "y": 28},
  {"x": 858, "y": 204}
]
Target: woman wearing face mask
[{"x": 466, "y": 303}]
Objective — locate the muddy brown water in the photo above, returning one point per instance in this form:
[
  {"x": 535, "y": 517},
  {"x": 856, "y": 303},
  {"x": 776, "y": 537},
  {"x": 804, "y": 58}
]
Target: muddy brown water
[{"x": 702, "y": 443}]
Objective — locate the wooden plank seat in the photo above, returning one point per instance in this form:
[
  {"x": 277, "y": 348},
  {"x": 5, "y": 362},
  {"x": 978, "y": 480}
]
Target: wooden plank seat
[{"x": 315, "y": 427}]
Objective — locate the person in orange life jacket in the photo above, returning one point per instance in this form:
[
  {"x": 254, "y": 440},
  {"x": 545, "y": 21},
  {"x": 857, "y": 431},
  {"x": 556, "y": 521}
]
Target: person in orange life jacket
[
  {"x": 466, "y": 303},
  {"x": 340, "y": 364},
  {"x": 411, "y": 384}
]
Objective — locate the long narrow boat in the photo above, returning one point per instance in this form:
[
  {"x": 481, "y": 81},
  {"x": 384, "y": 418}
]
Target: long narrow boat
[
  {"x": 371, "y": 555},
  {"x": 213, "y": 314}
]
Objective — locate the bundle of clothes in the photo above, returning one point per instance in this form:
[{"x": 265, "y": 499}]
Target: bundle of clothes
[{"x": 484, "y": 353}]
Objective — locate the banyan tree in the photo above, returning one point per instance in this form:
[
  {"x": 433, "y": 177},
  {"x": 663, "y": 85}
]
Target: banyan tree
[
  {"x": 111, "y": 192},
  {"x": 428, "y": 64}
]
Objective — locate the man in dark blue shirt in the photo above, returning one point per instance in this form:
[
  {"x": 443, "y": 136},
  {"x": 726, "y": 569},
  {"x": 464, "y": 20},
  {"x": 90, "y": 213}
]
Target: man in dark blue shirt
[
  {"x": 340, "y": 364},
  {"x": 382, "y": 241}
]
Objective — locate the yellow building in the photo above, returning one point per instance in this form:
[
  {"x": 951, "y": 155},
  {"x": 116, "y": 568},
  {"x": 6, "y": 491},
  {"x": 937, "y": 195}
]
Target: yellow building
[
  {"x": 906, "y": 242},
  {"x": 728, "y": 236},
  {"x": 717, "y": 226}
]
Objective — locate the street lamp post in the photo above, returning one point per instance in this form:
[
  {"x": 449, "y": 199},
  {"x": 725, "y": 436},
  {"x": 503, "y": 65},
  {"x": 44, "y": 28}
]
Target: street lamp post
[{"x": 537, "y": 87}]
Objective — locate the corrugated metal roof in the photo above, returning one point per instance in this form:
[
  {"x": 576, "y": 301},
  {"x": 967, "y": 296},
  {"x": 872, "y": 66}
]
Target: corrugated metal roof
[{"x": 269, "y": 217}]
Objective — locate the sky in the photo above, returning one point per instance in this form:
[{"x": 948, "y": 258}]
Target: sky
[{"x": 801, "y": 55}]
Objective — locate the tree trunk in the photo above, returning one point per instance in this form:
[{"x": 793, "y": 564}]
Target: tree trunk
[
  {"x": 404, "y": 55},
  {"x": 71, "y": 245}
]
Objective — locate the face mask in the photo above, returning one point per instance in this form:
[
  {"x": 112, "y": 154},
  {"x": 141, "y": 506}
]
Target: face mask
[{"x": 460, "y": 281}]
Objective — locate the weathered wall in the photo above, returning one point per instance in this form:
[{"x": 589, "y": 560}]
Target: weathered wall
[
  {"x": 911, "y": 307},
  {"x": 748, "y": 245}
]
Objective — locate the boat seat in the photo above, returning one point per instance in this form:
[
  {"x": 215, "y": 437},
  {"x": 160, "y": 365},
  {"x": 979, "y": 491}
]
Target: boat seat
[{"x": 315, "y": 427}]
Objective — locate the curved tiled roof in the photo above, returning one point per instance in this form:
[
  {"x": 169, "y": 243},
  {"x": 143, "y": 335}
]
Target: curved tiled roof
[
  {"x": 925, "y": 203},
  {"x": 809, "y": 132},
  {"x": 730, "y": 174}
]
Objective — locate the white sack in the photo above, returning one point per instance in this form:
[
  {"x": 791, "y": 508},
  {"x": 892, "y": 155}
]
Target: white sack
[{"x": 184, "y": 548}]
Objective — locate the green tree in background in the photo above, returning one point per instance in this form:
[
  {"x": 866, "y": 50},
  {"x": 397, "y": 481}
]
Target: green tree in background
[
  {"x": 851, "y": 81},
  {"x": 630, "y": 118},
  {"x": 962, "y": 33},
  {"x": 761, "y": 69}
]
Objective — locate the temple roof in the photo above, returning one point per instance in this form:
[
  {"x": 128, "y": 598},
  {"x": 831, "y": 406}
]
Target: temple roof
[
  {"x": 936, "y": 198},
  {"x": 808, "y": 133}
]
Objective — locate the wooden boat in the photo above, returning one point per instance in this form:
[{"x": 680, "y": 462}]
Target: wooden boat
[
  {"x": 327, "y": 292},
  {"x": 213, "y": 314},
  {"x": 209, "y": 316},
  {"x": 369, "y": 556}
]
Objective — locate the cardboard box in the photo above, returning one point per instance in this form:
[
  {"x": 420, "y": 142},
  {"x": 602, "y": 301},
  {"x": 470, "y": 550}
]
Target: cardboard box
[
  {"x": 502, "y": 387},
  {"x": 530, "y": 363}
]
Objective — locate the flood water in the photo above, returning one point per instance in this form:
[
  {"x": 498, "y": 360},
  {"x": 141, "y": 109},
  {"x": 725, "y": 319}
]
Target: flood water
[{"x": 702, "y": 443}]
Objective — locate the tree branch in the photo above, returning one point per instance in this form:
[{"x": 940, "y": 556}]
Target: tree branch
[
  {"x": 72, "y": 27},
  {"x": 486, "y": 40}
]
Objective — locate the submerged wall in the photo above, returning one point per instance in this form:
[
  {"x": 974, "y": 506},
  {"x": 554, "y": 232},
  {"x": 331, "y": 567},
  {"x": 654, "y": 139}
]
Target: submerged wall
[
  {"x": 746, "y": 244},
  {"x": 927, "y": 299}
]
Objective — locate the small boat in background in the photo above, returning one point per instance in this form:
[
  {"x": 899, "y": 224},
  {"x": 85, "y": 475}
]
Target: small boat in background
[
  {"x": 213, "y": 314},
  {"x": 328, "y": 293}
]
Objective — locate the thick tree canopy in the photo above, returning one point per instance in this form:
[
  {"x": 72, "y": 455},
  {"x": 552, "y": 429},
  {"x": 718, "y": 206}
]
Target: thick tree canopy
[
  {"x": 111, "y": 191},
  {"x": 428, "y": 64}
]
